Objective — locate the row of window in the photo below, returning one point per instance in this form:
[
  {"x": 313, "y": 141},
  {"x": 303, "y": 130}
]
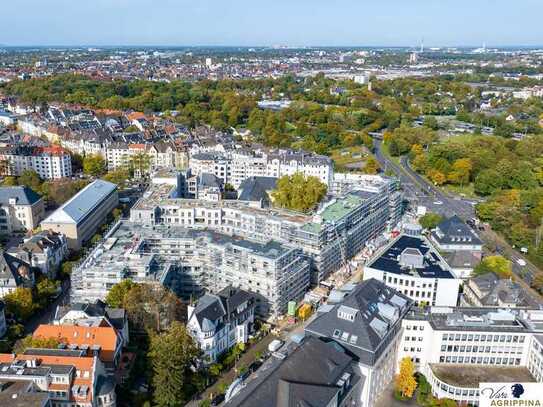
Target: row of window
[{"x": 483, "y": 338}]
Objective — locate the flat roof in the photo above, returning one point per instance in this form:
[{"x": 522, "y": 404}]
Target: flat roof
[
  {"x": 389, "y": 260},
  {"x": 469, "y": 376}
]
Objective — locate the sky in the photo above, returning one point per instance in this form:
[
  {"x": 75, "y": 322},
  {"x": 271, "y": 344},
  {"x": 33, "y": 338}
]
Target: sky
[{"x": 271, "y": 22}]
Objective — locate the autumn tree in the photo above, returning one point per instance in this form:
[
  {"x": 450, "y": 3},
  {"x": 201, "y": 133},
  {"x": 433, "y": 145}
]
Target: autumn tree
[
  {"x": 298, "y": 192},
  {"x": 405, "y": 380},
  {"x": 371, "y": 166},
  {"x": 116, "y": 295},
  {"x": 36, "y": 342},
  {"x": 494, "y": 264},
  {"x": 94, "y": 165},
  {"x": 20, "y": 303},
  {"x": 171, "y": 354},
  {"x": 430, "y": 220}
]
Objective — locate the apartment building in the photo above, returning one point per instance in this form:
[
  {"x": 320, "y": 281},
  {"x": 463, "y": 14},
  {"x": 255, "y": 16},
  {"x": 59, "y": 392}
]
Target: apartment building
[
  {"x": 218, "y": 322},
  {"x": 366, "y": 324},
  {"x": 312, "y": 374},
  {"x": 47, "y": 162},
  {"x": 55, "y": 377},
  {"x": 81, "y": 216},
  {"x": 456, "y": 348},
  {"x": 235, "y": 166},
  {"x": 412, "y": 266},
  {"x": 190, "y": 261},
  {"x": 333, "y": 235},
  {"x": 21, "y": 209},
  {"x": 44, "y": 251}
]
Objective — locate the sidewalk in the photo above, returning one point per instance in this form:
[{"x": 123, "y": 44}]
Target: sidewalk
[{"x": 246, "y": 359}]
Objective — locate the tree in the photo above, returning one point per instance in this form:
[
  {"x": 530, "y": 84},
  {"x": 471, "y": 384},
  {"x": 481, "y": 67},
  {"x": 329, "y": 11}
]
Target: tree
[
  {"x": 494, "y": 264},
  {"x": 38, "y": 342},
  {"x": 487, "y": 182},
  {"x": 94, "y": 165},
  {"x": 140, "y": 163},
  {"x": 405, "y": 380},
  {"x": 10, "y": 182},
  {"x": 372, "y": 165},
  {"x": 116, "y": 295},
  {"x": 461, "y": 171},
  {"x": 430, "y": 220},
  {"x": 537, "y": 283},
  {"x": 171, "y": 353},
  {"x": 437, "y": 177},
  {"x": 20, "y": 303},
  {"x": 31, "y": 179},
  {"x": 298, "y": 192},
  {"x": 66, "y": 267},
  {"x": 45, "y": 290},
  {"x": 119, "y": 177}
]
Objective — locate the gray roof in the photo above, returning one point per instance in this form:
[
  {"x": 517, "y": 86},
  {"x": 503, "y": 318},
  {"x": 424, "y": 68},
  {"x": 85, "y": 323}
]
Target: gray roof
[
  {"x": 495, "y": 291},
  {"x": 454, "y": 231},
  {"x": 80, "y": 205},
  {"x": 255, "y": 188},
  {"x": 308, "y": 377},
  {"x": 23, "y": 195},
  {"x": 365, "y": 321}
]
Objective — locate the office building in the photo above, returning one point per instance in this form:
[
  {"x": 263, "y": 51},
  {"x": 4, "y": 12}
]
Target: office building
[
  {"x": 81, "y": 216},
  {"x": 413, "y": 267}
]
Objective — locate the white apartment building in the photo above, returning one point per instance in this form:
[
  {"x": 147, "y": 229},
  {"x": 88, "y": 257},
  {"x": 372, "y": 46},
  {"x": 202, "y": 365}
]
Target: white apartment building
[
  {"x": 457, "y": 347},
  {"x": 218, "y": 322},
  {"x": 367, "y": 325},
  {"x": 47, "y": 162},
  {"x": 413, "y": 267},
  {"x": 21, "y": 209},
  {"x": 191, "y": 262}
]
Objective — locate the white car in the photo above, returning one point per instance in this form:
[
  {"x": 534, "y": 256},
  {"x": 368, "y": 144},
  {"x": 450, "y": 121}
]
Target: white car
[
  {"x": 438, "y": 203},
  {"x": 521, "y": 262}
]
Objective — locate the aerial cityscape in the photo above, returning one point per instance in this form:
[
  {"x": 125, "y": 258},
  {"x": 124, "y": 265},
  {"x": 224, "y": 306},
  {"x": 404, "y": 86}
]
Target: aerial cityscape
[{"x": 279, "y": 205}]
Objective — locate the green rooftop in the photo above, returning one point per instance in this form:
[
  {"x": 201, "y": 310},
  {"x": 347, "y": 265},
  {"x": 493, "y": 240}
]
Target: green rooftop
[{"x": 340, "y": 208}]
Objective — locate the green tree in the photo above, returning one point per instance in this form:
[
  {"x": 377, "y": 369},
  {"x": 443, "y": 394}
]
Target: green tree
[
  {"x": 20, "y": 303},
  {"x": 116, "y": 295},
  {"x": 372, "y": 165},
  {"x": 31, "y": 179},
  {"x": 94, "y": 165},
  {"x": 10, "y": 182},
  {"x": 119, "y": 177},
  {"x": 298, "y": 192},
  {"x": 171, "y": 353},
  {"x": 140, "y": 164},
  {"x": 494, "y": 264},
  {"x": 45, "y": 290},
  {"x": 37, "y": 343},
  {"x": 430, "y": 220}
]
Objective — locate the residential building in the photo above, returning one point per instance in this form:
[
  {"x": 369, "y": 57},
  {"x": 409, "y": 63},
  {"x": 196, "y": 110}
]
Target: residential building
[
  {"x": 101, "y": 341},
  {"x": 218, "y": 322},
  {"x": 206, "y": 187},
  {"x": 412, "y": 266},
  {"x": 81, "y": 216},
  {"x": 314, "y": 373},
  {"x": 55, "y": 377},
  {"x": 488, "y": 290},
  {"x": 14, "y": 273},
  {"x": 21, "y": 209},
  {"x": 43, "y": 251},
  {"x": 47, "y": 162},
  {"x": 366, "y": 325},
  {"x": 94, "y": 314},
  {"x": 457, "y": 348},
  {"x": 257, "y": 190},
  {"x": 190, "y": 261}
]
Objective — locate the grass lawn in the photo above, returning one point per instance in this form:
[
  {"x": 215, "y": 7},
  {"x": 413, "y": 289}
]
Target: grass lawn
[
  {"x": 349, "y": 156},
  {"x": 464, "y": 191},
  {"x": 384, "y": 149}
]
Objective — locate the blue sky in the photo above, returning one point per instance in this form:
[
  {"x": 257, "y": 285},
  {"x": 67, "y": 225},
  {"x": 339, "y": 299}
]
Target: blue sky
[{"x": 271, "y": 22}]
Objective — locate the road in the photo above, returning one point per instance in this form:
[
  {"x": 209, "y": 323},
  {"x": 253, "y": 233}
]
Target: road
[
  {"x": 420, "y": 191},
  {"x": 48, "y": 314}
]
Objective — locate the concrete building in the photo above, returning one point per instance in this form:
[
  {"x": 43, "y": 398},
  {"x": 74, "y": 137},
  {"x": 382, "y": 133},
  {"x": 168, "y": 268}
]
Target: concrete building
[
  {"x": 366, "y": 324},
  {"x": 55, "y": 377},
  {"x": 218, "y": 322},
  {"x": 413, "y": 267},
  {"x": 81, "y": 216},
  {"x": 191, "y": 262},
  {"x": 21, "y": 209},
  {"x": 457, "y": 348},
  {"x": 44, "y": 251}
]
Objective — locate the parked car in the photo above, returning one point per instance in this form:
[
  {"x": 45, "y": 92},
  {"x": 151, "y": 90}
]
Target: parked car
[{"x": 218, "y": 399}]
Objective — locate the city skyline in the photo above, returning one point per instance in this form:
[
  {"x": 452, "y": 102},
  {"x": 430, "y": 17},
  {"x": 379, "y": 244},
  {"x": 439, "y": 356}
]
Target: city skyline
[{"x": 169, "y": 23}]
